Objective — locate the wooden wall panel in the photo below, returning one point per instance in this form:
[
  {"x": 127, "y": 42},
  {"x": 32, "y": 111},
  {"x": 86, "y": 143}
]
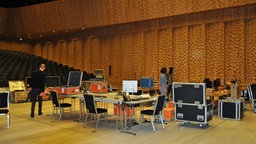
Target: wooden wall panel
[
  {"x": 196, "y": 53},
  {"x": 37, "y": 49},
  {"x": 181, "y": 53},
  {"x": 45, "y": 50},
  {"x": 127, "y": 53},
  {"x": 234, "y": 50},
  {"x": 56, "y": 51},
  {"x": 250, "y": 51},
  {"x": 137, "y": 45},
  {"x": 78, "y": 54},
  {"x": 50, "y": 51},
  {"x": 95, "y": 54},
  {"x": 116, "y": 60},
  {"x": 215, "y": 51},
  {"x": 71, "y": 53},
  {"x": 165, "y": 50},
  {"x": 87, "y": 64},
  {"x": 211, "y": 44},
  {"x": 106, "y": 64},
  {"x": 150, "y": 54},
  {"x": 65, "y": 15},
  {"x": 63, "y": 52}
]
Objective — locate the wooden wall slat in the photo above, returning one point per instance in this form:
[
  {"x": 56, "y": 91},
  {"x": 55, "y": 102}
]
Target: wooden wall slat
[
  {"x": 234, "y": 53},
  {"x": 250, "y": 51},
  {"x": 215, "y": 51},
  {"x": 196, "y": 44},
  {"x": 181, "y": 53}
]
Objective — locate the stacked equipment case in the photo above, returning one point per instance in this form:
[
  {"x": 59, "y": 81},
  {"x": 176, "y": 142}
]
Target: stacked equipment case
[
  {"x": 191, "y": 104},
  {"x": 231, "y": 109}
]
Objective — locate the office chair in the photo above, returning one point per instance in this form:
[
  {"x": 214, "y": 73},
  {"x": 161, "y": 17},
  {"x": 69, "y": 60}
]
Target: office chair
[
  {"x": 156, "y": 112},
  {"x": 57, "y": 105},
  {"x": 252, "y": 95},
  {"x": 91, "y": 108},
  {"x": 4, "y": 106}
]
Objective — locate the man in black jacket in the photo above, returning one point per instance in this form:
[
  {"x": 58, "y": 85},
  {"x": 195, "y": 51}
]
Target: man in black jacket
[{"x": 38, "y": 86}]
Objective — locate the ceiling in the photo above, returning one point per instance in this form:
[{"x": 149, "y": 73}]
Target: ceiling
[{"x": 20, "y": 3}]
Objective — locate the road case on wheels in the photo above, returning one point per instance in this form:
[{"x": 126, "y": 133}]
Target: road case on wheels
[{"x": 191, "y": 104}]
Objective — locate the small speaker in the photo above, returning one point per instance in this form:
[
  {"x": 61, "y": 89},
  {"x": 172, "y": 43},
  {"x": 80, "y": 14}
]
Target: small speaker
[{"x": 109, "y": 70}]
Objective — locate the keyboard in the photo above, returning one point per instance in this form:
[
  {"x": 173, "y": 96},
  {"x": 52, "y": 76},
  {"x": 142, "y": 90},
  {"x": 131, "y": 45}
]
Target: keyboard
[
  {"x": 100, "y": 96},
  {"x": 139, "y": 98}
]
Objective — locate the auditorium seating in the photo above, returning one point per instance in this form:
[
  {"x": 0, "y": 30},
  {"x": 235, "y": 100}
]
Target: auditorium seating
[{"x": 16, "y": 65}]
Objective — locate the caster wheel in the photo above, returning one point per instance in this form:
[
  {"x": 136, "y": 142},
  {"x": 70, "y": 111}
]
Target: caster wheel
[
  {"x": 201, "y": 125},
  {"x": 182, "y": 123}
]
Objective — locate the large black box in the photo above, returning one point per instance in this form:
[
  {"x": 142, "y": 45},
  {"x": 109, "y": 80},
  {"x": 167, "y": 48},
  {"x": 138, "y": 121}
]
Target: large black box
[
  {"x": 231, "y": 109},
  {"x": 193, "y": 113},
  {"x": 192, "y": 93}
]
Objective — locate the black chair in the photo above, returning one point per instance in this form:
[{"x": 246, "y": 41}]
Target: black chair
[
  {"x": 57, "y": 105},
  {"x": 91, "y": 108},
  {"x": 156, "y": 112},
  {"x": 4, "y": 106}
]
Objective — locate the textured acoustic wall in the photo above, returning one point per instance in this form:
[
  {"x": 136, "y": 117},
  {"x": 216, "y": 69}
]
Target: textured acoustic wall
[
  {"x": 215, "y": 51},
  {"x": 181, "y": 53},
  {"x": 234, "y": 50},
  {"x": 250, "y": 50},
  {"x": 62, "y": 15},
  {"x": 196, "y": 48},
  {"x": 211, "y": 44}
]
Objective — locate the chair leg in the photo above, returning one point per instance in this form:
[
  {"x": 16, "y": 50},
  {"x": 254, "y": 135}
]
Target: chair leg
[
  {"x": 52, "y": 113},
  {"x": 97, "y": 122},
  {"x": 141, "y": 116},
  {"x": 106, "y": 118},
  {"x": 61, "y": 112},
  {"x": 152, "y": 123},
  {"x": 162, "y": 121},
  {"x": 86, "y": 117},
  {"x": 8, "y": 120}
]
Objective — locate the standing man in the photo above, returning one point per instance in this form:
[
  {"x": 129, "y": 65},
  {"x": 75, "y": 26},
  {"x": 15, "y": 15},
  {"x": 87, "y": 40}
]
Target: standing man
[
  {"x": 38, "y": 86},
  {"x": 163, "y": 81}
]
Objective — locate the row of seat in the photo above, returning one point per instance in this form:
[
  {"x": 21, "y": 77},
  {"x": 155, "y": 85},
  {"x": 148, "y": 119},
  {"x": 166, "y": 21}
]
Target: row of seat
[{"x": 16, "y": 65}]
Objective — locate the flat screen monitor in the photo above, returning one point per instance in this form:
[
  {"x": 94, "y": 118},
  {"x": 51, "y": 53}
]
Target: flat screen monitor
[
  {"x": 208, "y": 83},
  {"x": 129, "y": 86},
  {"x": 147, "y": 82},
  {"x": 216, "y": 83},
  {"x": 75, "y": 78}
]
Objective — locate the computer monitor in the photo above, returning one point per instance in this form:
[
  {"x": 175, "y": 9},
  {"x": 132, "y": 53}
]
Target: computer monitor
[
  {"x": 208, "y": 83},
  {"x": 75, "y": 78},
  {"x": 129, "y": 86},
  {"x": 147, "y": 82},
  {"x": 216, "y": 83}
]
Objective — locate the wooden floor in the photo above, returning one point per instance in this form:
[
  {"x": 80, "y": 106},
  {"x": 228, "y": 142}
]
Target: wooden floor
[{"x": 42, "y": 130}]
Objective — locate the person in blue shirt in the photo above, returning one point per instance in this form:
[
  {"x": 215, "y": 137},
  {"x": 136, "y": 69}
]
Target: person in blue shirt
[
  {"x": 38, "y": 85},
  {"x": 163, "y": 81}
]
